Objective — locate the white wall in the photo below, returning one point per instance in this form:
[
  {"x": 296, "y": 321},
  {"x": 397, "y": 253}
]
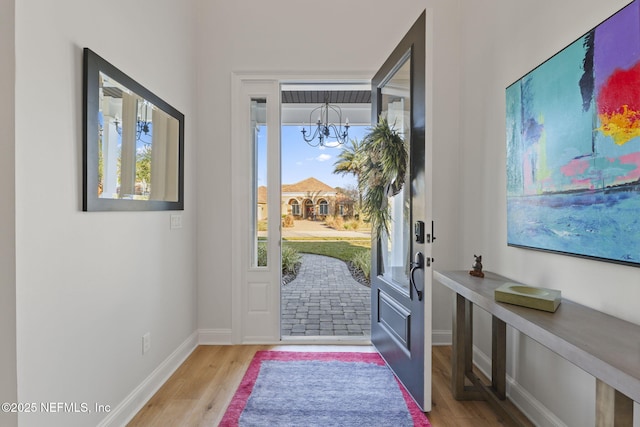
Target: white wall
[
  {"x": 283, "y": 36},
  {"x": 445, "y": 101},
  {"x": 8, "y": 375},
  {"x": 89, "y": 285},
  {"x": 501, "y": 41}
]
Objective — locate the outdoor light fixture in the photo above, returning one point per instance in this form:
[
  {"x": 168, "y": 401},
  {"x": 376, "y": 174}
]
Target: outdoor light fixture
[
  {"x": 142, "y": 124},
  {"x": 324, "y": 130}
]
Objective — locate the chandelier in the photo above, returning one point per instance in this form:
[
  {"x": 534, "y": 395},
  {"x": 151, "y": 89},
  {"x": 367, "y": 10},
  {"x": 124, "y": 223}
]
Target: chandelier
[
  {"x": 324, "y": 130},
  {"x": 142, "y": 123}
]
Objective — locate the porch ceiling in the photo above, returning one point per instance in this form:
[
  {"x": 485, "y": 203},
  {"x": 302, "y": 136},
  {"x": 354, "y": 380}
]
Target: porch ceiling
[{"x": 320, "y": 96}]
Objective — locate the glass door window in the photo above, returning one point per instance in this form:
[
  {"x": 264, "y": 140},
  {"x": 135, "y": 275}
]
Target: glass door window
[
  {"x": 259, "y": 183},
  {"x": 395, "y": 245}
]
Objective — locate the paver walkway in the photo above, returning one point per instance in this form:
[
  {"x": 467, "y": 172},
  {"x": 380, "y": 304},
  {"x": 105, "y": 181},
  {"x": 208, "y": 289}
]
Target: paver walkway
[{"x": 325, "y": 300}]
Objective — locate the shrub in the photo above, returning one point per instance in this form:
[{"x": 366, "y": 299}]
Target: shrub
[
  {"x": 262, "y": 254},
  {"x": 362, "y": 261},
  {"x": 291, "y": 260},
  {"x": 287, "y": 221},
  {"x": 334, "y": 221},
  {"x": 328, "y": 221},
  {"x": 353, "y": 224}
]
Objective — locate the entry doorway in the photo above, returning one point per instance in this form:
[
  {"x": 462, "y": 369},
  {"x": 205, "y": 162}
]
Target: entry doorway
[
  {"x": 327, "y": 297},
  {"x": 261, "y": 208}
]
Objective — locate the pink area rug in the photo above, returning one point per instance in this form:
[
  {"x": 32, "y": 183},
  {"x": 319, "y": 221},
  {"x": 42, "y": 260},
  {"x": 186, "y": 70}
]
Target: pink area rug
[{"x": 288, "y": 388}]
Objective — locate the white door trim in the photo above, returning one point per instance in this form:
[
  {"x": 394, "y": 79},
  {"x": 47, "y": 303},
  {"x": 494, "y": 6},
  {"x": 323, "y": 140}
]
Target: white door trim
[
  {"x": 255, "y": 290},
  {"x": 256, "y": 318}
]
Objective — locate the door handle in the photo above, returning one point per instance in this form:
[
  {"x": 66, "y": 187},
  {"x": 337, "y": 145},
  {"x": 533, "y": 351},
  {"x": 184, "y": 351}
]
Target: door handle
[{"x": 418, "y": 262}]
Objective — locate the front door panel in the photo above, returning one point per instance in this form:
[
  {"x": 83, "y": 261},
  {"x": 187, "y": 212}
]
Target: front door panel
[{"x": 398, "y": 302}]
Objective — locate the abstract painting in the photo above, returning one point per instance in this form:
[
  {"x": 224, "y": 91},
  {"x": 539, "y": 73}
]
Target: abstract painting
[{"x": 573, "y": 147}]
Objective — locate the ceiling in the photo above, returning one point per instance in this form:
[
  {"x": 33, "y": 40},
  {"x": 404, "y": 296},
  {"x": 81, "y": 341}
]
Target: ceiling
[
  {"x": 300, "y": 99},
  {"x": 321, "y": 96}
]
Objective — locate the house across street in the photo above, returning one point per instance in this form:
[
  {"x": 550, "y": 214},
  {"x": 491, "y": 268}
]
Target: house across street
[{"x": 308, "y": 199}]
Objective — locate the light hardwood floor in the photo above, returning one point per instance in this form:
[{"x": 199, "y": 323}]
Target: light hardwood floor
[{"x": 198, "y": 393}]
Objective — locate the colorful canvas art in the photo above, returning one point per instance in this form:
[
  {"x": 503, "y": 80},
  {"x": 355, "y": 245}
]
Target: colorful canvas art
[{"x": 573, "y": 147}]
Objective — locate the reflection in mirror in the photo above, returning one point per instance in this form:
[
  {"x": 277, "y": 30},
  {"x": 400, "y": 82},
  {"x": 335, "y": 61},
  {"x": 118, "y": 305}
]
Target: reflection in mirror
[
  {"x": 133, "y": 143},
  {"x": 137, "y": 146}
]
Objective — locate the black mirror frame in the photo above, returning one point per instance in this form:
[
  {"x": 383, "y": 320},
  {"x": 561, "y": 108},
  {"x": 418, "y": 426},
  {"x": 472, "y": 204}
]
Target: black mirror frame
[{"x": 93, "y": 64}]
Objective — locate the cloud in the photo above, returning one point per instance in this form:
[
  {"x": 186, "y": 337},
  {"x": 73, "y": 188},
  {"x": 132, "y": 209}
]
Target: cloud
[
  {"x": 323, "y": 157},
  {"x": 332, "y": 144}
]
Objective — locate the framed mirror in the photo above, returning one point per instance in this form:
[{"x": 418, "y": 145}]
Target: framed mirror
[{"x": 133, "y": 143}]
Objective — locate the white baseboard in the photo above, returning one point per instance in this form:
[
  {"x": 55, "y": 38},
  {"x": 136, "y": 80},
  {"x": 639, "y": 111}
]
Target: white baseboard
[
  {"x": 215, "y": 337},
  {"x": 131, "y": 405},
  {"x": 531, "y": 407},
  {"x": 441, "y": 337}
]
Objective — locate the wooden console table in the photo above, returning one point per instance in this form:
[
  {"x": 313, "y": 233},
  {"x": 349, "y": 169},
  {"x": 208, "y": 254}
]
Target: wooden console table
[{"x": 602, "y": 345}]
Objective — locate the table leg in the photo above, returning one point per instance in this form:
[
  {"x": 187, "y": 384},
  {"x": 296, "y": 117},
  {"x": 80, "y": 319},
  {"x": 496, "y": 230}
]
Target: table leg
[
  {"x": 468, "y": 334},
  {"x": 458, "y": 347},
  {"x": 499, "y": 357},
  {"x": 462, "y": 350},
  {"x": 613, "y": 409}
]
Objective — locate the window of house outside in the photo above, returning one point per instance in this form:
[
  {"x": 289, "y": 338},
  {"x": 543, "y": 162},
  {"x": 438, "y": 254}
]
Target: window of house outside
[
  {"x": 295, "y": 208},
  {"x": 324, "y": 208}
]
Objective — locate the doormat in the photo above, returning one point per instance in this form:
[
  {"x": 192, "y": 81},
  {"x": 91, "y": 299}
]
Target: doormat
[{"x": 288, "y": 388}]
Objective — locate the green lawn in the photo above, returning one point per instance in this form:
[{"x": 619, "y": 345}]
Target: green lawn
[{"x": 342, "y": 249}]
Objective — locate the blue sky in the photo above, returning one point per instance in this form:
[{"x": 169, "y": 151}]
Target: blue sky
[{"x": 301, "y": 161}]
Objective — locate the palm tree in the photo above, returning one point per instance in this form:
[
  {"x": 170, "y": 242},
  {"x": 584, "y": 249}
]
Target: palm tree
[{"x": 350, "y": 161}]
